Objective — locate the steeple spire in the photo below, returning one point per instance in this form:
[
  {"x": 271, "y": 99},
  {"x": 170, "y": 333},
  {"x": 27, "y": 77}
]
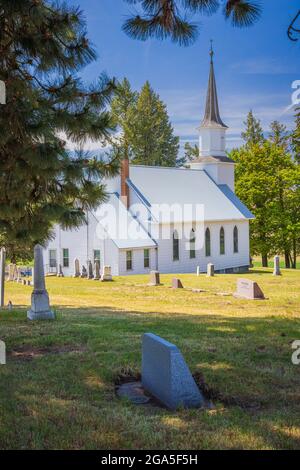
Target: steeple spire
[{"x": 212, "y": 115}]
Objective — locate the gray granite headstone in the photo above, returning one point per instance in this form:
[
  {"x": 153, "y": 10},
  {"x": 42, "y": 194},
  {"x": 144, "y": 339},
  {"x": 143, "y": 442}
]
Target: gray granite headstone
[
  {"x": 176, "y": 283},
  {"x": 166, "y": 375},
  {"x": 90, "y": 270},
  {"x": 247, "y": 289},
  {"x": 210, "y": 270},
  {"x": 76, "y": 268},
  {"x": 60, "y": 271},
  {"x": 97, "y": 270},
  {"x": 83, "y": 271},
  {"x": 40, "y": 308},
  {"x": 15, "y": 273},
  {"x": 154, "y": 278},
  {"x": 11, "y": 269},
  {"x": 276, "y": 271}
]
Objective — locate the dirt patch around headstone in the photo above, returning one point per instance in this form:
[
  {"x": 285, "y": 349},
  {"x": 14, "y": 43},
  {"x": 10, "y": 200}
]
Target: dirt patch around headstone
[{"x": 28, "y": 352}]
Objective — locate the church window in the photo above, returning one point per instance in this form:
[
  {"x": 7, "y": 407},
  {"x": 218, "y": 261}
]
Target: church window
[
  {"x": 235, "y": 240},
  {"x": 207, "y": 242},
  {"x": 192, "y": 244},
  {"x": 222, "y": 241},
  {"x": 175, "y": 246}
]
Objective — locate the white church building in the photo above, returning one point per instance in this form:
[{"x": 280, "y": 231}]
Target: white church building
[{"x": 167, "y": 219}]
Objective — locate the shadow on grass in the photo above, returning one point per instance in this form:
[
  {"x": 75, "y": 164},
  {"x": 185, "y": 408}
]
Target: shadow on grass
[{"x": 245, "y": 360}]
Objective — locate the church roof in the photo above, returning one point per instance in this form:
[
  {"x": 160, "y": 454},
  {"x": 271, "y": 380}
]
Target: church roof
[
  {"x": 212, "y": 115},
  {"x": 118, "y": 222},
  {"x": 171, "y": 186}
]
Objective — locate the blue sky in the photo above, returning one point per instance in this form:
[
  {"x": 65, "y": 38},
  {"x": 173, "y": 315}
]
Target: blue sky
[{"x": 255, "y": 67}]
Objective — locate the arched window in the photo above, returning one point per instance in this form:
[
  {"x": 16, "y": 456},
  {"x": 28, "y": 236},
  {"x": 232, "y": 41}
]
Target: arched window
[
  {"x": 235, "y": 240},
  {"x": 192, "y": 244},
  {"x": 207, "y": 242},
  {"x": 222, "y": 241},
  {"x": 175, "y": 246}
]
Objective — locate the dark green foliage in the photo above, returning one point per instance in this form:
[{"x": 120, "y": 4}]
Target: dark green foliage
[
  {"x": 268, "y": 182},
  {"x": 43, "y": 46},
  {"x": 146, "y": 133},
  {"x": 167, "y": 18}
]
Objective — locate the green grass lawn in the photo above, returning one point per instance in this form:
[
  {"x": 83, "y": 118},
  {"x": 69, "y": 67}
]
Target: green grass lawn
[{"x": 57, "y": 388}]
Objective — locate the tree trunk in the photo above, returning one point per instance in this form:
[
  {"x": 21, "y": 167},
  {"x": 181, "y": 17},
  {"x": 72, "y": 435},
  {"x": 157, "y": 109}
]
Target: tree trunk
[
  {"x": 264, "y": 261},
  {"x": 287, "y": 259},
  {"x": 294, "y": 253}
]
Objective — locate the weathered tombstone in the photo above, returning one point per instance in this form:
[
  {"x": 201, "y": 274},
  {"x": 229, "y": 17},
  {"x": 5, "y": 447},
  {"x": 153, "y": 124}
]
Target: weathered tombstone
[
  {"x": 11, "y": 268},
  {"x": 90, "y": 270},
  {"x": 248, "y": 290},
  {"x": 19, "y": 275},
  {"x": 210, "y": 270},
  {"x": 166, "y": 375},
  {"x": 2, "y": 276},
  {"x": 154, "y": 278},
  {"x": 276, "y": 271},
  {"x": 60, "y": 271},
  {"x": 176, "y": 283},
  {"x": 2, "y": 353},
  {"x": 40, "y": 308},
  {"x": 97, "y": 270},
  {"x": 15, "y": 274},
  {"x": 198, "y": 270},
  {"x": 83, "y": 271},
  {"x": 106, "y": 274},
  {"x": 76, "y": 268}
]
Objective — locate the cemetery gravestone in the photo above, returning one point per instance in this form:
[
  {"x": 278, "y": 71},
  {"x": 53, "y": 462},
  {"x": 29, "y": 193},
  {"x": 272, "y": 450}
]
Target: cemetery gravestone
[
  {"x": 154, "y": 278},
  {"x": 198, "y": 270},
  {"x": 276, "y": 271},
  {"x": 11, "y": 268},
  {"x": 83, "y": 272},
  {"x": 166, "y": 375},
  {"x": 210, "y": 270},
  {"x": 40, "y": 308},
  {"x": 248, "y": 290},
  {"x": 60, "y": 271},
  {"x": 76, "y": 268},
  {"x": 176, "y": 283},
  {"x": 106, "y": 274},
  {"x": 97, "y": 270},
  {"x": 90, "y": 270}
]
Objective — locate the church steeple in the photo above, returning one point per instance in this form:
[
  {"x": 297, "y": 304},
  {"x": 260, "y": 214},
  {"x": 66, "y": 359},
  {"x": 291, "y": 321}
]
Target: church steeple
[
  {"x": 212, "y": 143},
  {"x": 212, "y": 115}
]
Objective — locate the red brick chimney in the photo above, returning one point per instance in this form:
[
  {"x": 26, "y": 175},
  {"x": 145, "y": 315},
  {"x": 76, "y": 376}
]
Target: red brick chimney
[{"x": 124, "y": 186}]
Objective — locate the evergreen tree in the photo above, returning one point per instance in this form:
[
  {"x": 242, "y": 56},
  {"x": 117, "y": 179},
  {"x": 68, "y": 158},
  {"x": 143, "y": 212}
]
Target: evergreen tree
[
  {"x": 279, "y": 135},
  {"x": 149, "y": 131},
  {"x": 167, "y": 18},
  {"x": 253, "y": 133},
  {"x": 191, "y": 151},
  {"x": 122, "y": 103},
  {"x": 295, "y": 138},
  {"x": 268, "y": 182},
  {"x": 43, "y": 46}
]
